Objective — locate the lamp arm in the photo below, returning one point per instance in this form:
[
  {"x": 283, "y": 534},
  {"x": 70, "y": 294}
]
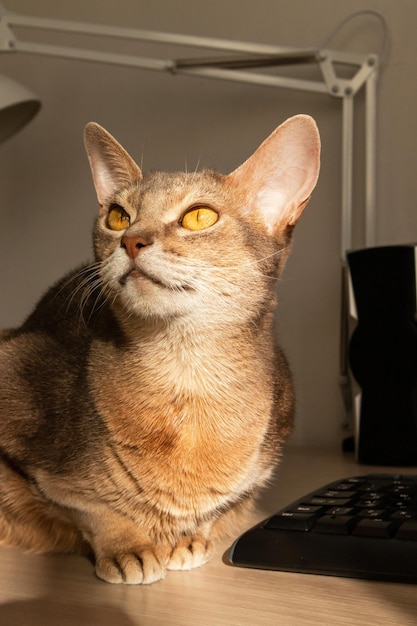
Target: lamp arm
[
  {"x": 252, "y": 55},
  {"x": 118, "y": 32}
]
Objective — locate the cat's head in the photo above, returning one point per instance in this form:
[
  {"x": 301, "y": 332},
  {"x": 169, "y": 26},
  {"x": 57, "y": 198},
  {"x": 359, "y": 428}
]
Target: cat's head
[{"x": 201, "y": 244}]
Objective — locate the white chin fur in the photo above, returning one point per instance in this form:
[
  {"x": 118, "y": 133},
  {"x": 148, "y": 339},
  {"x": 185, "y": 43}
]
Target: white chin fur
[{"x": 147, "y": 299}]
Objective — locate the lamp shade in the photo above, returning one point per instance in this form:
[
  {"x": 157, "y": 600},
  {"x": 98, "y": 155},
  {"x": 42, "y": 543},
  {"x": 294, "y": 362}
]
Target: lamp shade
[{"x": 17, "y": 107}]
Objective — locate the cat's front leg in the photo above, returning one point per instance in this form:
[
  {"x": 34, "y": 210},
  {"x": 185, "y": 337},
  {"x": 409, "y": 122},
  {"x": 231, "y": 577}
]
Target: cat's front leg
[
  {"x": 124, "y": 554},
  {"x": 191, "y": 551},
  {"x": 196, "y": 549},
  {"x": 146, "y": 563},
  {"x": 122, "y": 561},
  {"x": 140, "y": 564}
]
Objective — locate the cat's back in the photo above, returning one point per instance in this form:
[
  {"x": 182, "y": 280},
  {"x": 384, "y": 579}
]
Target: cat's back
[
  {"x": 54, "y": 341},
  {"x": 43, "y": 363}
]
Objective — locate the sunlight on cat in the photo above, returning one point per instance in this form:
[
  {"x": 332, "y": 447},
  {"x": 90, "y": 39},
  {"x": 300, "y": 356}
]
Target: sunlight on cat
[{"x": 143, "y": 402}]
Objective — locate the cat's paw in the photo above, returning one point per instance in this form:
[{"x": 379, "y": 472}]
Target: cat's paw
[
  {"x": 190, "y": 552},
  {"x": 135, "y": 567}
]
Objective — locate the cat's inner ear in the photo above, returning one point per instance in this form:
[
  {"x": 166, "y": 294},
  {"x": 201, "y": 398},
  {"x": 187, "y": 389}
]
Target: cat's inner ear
[
  {"x": 111, "y": 166},
  {"x": 278, "y": 179}
]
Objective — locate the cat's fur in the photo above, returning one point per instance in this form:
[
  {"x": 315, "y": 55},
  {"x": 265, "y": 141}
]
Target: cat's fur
[{"x": 142, "y": 403}]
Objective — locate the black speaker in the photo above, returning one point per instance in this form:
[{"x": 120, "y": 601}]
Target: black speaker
[{"x": 382, "y": 353}]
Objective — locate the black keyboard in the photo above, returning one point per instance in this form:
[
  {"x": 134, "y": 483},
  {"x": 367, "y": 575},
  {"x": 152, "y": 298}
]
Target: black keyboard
[{"x": 359, "y": 527}]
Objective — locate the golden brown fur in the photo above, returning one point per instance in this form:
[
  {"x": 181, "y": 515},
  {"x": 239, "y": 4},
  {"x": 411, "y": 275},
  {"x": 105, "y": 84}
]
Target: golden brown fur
[{"x": 143, "y": 404}]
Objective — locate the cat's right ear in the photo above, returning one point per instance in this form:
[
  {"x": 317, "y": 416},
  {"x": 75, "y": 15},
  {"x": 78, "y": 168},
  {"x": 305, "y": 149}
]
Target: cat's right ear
[
  {"x": 111, "y": 166},
  {"x": 277, "y": 180}
]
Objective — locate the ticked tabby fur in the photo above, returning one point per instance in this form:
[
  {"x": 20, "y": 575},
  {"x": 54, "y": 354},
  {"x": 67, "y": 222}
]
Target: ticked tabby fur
[{"x": 142, "y": 403}]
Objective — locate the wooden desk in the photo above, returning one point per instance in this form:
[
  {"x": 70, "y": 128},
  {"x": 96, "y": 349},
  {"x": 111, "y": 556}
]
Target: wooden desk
[{"x": 63, "y": 591}]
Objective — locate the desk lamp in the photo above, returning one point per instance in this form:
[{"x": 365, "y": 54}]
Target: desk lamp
[{"x": 17, "y": 107}]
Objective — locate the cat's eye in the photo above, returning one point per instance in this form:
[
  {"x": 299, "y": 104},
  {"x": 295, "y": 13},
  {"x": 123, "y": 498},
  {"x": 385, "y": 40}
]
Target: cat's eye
[
  {"x": 117, "y": 218},
  {"x": 199, "y": 218}
]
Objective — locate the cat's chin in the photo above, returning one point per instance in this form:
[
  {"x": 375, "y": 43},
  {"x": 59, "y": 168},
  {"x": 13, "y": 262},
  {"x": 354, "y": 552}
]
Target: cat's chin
[
  {"x": 140, "y": 277},
  {"x": 146, "y": 297}
]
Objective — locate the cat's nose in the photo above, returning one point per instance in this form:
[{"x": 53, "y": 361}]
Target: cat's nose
[{"x": 133, "y": 245}]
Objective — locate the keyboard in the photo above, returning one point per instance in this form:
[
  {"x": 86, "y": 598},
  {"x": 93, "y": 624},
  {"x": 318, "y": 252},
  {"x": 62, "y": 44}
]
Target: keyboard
[{"x": 358, "y": 527}]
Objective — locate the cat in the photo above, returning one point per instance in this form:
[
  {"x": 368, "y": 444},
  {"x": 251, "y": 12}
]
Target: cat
[{"x": 143, "y": 403}]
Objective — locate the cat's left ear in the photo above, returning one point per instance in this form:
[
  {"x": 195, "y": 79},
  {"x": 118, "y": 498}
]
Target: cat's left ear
[
  {"x": 111, "y": 166},
  {"x": 278, "y": 179}
]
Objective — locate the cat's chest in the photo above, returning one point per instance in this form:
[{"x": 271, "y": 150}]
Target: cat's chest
[
  {"x": 163, "y": 397},
  {"x": 179, "y": 397},
  {"x": 174, "y": 374}
]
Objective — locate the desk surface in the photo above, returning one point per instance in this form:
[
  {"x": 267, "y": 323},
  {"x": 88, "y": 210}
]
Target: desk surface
[{"x": 63, "y": 591}]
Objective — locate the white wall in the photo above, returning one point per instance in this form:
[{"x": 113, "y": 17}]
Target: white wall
[{"x": 47, "y": 201}]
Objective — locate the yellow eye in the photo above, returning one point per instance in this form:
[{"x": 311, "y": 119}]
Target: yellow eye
[
  {"x": 199, "y": 218},
  {"x": 117, "y": 218}
]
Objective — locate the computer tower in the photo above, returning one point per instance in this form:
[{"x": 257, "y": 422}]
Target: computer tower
[{"x": 382, "y": 352}]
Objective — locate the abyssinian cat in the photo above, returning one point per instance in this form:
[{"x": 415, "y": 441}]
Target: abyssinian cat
[{"x": 142, "y": 403}]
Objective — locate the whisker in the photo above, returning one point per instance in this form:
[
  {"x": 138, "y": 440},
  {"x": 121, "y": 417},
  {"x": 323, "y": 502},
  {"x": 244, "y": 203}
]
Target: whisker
[
  {"x": 256, "y": 261},
  {"x": 85, "y": 297},
  {"x": 81, "y": 286},
  {"x": 74, "y": 277},
  {"x": 198, "y": 264},
  {"x": 196, "y": 169},
  {"x": 90, "y": 282},
  {"x": 96, "y": 308}
]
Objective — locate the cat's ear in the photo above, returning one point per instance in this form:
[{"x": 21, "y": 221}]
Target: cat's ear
[
  {"x": 111, "y": 166},
  {"x": 277, "y": 180}
]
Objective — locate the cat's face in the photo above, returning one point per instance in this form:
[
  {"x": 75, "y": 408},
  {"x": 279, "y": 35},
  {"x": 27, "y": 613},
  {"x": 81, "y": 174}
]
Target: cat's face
[
  {"x": 202, "y": 245},
  {"x": 183, "y": 247}
]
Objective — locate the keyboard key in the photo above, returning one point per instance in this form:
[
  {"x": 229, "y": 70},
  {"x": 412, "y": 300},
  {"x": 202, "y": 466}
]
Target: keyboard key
[
  {"x": 334, "y": 493},
  {"x": 400, "y": 504},
  {"x": 307, "y": 508},
  {"x": 340, "y": 510},
  {"x": 291, "y": 521},
  {"x": 374, "y": 528},
  {"x": 352, "y": 483},
  {"x": 370, "y": 487},
  {"x": 330, "y": 501},
  {"x": 334, "y": 524},
  {"x": 355, "y": 480},
  {"x": 368, "y": 503},
  {"x": 371, "y": 512},
  {"x": 403, "y": 514},
  {"x": 407, "y": 530}
]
